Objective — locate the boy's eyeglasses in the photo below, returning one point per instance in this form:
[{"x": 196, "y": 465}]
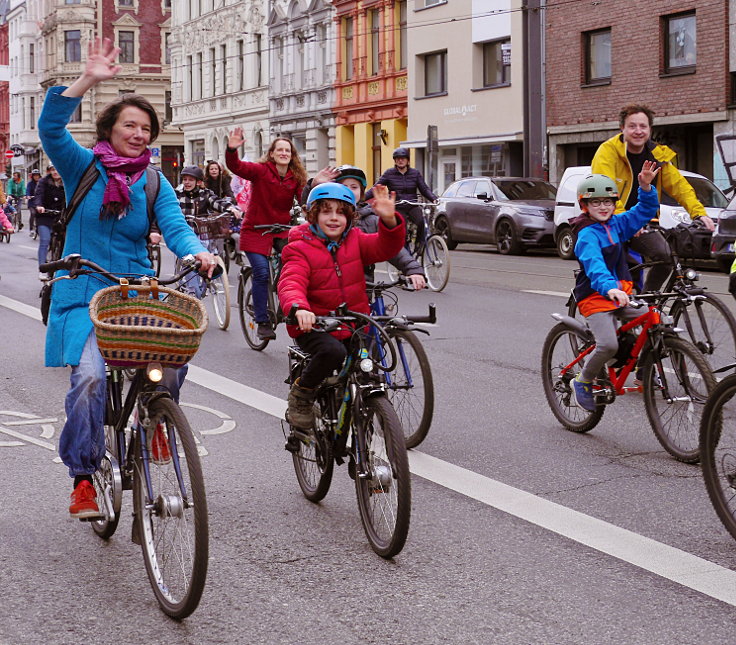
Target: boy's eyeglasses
[{"x": 606, "y": 201}]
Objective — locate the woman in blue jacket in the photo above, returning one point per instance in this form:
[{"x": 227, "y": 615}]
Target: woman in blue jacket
[{"x": 110, "y": 228}]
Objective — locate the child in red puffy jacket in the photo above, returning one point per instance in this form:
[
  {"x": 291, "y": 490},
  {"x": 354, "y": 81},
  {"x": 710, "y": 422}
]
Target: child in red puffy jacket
[{"x": 323, "y": 268}]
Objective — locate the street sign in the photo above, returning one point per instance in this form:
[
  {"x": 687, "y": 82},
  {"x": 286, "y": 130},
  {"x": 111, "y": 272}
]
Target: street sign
[
  {"x": 9, "y": 154},
  {"x": 155, "y": 152}
]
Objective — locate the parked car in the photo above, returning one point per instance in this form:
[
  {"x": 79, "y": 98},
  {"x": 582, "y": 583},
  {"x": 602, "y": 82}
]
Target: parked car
[
  {"x": 670, "y": 212},
  {"x": 515, "y": 213},
  {"x": 724, "y": 238}
]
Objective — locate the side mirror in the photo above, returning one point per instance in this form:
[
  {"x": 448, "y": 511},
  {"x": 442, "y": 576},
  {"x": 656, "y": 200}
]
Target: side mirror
[{"x": 482, "y": 196}]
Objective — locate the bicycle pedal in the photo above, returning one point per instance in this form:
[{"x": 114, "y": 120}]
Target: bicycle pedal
[{"x": 292, "y": 444}]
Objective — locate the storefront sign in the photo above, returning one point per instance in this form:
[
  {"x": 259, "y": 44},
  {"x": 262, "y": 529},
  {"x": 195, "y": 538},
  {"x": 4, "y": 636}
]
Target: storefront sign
[{"x": 460, "y": 110}]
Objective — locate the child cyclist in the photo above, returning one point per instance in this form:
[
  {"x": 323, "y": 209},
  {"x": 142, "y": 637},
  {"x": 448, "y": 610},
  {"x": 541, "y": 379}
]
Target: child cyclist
[
  {"x": 603, "y": 285},
  {"x": 323, "y": 268}
]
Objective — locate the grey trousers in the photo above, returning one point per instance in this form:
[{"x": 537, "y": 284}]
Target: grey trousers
[{"x": 603, "y": 325}]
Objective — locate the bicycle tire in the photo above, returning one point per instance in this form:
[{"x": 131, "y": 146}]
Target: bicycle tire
[
  {"x": 173, "y": 528},
  {"x": 689, "y": 381},
  {"x": 313, "y": 463},
  {"x": 718, "y": 451},
  {"x": 436, "y": 263},
  {"x": 248, "y": 323},
  {"x": 560, "y": 348},
  {"x": 384, "y": 491},
  {"x": 411, "y": 387},
  {"x": 219, "y": 287},
  {"x": 709, "y": 314}
]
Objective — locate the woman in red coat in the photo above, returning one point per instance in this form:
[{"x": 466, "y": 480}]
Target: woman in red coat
[
  {"x": 323, "y": 267},
  {"x": 276, "y": 180}
]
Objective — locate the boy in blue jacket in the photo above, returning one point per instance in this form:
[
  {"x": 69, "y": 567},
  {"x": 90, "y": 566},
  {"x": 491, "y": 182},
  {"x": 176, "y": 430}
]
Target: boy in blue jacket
[{"x": 604, "y": 283}]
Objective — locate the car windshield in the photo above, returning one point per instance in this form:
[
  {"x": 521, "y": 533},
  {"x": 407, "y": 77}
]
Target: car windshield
[
  {"x": 708, "y": 194},
  {"x": 526, "y": 189}
]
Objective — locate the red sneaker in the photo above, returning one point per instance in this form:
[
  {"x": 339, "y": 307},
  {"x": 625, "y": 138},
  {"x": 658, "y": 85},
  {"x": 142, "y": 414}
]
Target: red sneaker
[
  {"x": 84, "y": 504},
  {"x": 160, "y": 453}
]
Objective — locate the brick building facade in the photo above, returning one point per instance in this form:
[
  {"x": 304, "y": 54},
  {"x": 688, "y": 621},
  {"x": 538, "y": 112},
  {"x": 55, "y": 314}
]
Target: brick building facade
[{"x": 672, "y": 56}]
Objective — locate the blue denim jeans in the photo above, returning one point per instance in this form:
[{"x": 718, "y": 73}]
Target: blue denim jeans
[
  {"x": 82, "y": 440},
  {"x": 259, "y": 263},
  {"x": 44, "y": 237}
]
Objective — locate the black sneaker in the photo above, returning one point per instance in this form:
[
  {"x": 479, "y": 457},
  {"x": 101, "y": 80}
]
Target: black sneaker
[{"x": 265, "y": 331}]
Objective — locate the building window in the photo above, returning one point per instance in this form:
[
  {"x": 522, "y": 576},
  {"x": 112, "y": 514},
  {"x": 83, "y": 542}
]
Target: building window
[
  {"x": 72, "y": 46},
  {"x": 77, "y": 114},
  {"x": 126, "y": 42},
  {"x": 403, "y": 52},
  {"x": 167, "y": 48},
  {"x": 597, "y": 56},
  {"x": 223, "y": 58},
  {"x": 168, "y": 112},
  {"x": 348, "y": 58},
  {"x": 497, "y": 63},
  {"x": 33, "y": 112},
  {"x": 680, "y": 42},
  {"x": 241, "y": 65},
  {"x": 167, "y": 4},
  {"x": 190, "y": 78},
  {"x": 213, "y": 72},
  {"x": 72, "y": 1},
  {"x": 31, "y": 58},
  {"x": 200, "y": 75},
  {"x": 435, "y": 73},
  {"x": 432, "y": 3},
  {"x": 259, "y": 59},
  {"x": 125, "y": 3},
  {"x": 375, "y": 27}
]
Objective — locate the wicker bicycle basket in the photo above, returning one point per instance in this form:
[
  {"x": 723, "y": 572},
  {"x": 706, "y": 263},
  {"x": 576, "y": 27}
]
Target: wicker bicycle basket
[
  {"x": 217, "y": 227},
  {"x": 141, "y": 324}
]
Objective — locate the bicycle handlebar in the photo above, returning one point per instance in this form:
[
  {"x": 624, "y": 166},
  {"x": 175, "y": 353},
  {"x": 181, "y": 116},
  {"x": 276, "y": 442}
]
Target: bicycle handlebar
[
  {"x": 342, "y": 314},
  {"x": 75, "y": 264},
  {"x": 273, "y": 228}
]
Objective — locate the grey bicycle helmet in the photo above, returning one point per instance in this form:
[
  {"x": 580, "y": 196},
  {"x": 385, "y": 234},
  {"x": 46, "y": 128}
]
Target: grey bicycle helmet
[
  {"x": 401, "y": 152},
  {"x": 597, "y": 186},
  {"x": 347, "y": 171},
  {"x": 193, "y": 171}
]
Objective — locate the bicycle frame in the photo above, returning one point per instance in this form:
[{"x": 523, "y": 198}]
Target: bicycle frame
[{"x": 646, "y": 321}]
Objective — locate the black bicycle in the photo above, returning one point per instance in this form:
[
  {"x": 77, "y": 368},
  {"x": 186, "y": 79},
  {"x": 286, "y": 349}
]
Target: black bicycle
[
  {"x": 245, "y": 290},
  {"x": 355, "y": 421},
  {"x": 156, "y": 457}
]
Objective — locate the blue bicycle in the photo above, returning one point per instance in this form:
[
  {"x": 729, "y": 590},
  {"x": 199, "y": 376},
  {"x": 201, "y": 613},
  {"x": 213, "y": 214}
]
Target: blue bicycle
[{"x": 409, "y": 385}]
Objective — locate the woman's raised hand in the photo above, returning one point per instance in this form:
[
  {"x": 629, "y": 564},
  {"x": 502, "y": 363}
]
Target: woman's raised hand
[
  {"x": 236, "y": 139},
  {"x": 101, "y": 55}
]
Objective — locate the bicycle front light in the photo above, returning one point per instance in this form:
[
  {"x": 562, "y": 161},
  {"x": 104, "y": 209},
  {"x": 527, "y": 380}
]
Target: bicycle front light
[
  {"x": 154, "y": 372},
  {"x": 366, "y": 365},
  {"x": 691, "y": 274}
]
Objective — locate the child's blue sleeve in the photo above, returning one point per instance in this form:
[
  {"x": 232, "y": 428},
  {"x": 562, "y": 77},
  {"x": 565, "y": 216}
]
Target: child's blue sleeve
[{"x": 630, "y": 221}]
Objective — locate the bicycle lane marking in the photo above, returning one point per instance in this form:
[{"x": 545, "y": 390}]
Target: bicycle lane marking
[{"x": 668, "y": 562}]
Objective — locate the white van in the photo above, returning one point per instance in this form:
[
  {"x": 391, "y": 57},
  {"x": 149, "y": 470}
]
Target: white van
[{"x": 670, "y": 213}]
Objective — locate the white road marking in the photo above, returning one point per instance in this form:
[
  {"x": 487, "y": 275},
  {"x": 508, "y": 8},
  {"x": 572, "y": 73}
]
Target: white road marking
[
  {"x": 661, "y": 559},
  {"x": 21, "y": 307},
  {"x": 227, "y": 422},
  {"x": 33, "y": 440},
  {"x": 562, "y": 294},
  {"x": 23, "y": 246}
]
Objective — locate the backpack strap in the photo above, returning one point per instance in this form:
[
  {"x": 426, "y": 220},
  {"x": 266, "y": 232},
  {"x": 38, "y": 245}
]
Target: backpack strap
[
  {"x": 89, "y": 177},
  {"x": 152, "y": 187}
]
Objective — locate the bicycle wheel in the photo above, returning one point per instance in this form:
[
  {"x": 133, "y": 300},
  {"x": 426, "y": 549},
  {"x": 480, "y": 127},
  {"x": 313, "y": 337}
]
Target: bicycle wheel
[
  {"x": 718, "y": 451},
  {"x": 411, "y": 387},
  {"x": 219, "y": 287},
  {"x": 313, "y": 463},
  {"x": 108, "y": 483},
  {"x": 560, "y": 348},
  {"x": 384, "y": 488},
  {"x": 711, "y": 327},
  {"x": 172, "y": 521},
  {"x": 436, "y": 263},
  {"x": 245, "y": 308},
  {"x": 675, "y": 395}
]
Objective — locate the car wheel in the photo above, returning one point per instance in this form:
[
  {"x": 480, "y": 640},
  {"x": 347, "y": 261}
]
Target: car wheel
[
  {"x": 506, "y": 238},
  {"x": 442, "y": 228},
  {"x": 724, "y": 264},
  {"x": 566, "y": 244}
]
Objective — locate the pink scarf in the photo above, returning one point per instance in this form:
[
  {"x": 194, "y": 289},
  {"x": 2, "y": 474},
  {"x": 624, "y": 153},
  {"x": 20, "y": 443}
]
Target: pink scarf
[{"x": 122, "y": 172}]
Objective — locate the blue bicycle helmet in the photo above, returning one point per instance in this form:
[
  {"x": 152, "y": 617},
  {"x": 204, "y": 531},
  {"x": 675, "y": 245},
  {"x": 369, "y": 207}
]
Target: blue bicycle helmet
[{"x": 330, "y": 190}]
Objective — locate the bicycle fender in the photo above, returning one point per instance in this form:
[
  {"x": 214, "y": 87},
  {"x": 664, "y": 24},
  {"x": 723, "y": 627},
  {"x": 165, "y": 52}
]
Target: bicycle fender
[{"x": 572, "y": 324}]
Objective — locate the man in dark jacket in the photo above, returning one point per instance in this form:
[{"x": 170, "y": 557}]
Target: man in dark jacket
[
  {"x": 49, "y": 196},
  {"x": 405, "y": 181},
  {"x": 31, "y": 194}
]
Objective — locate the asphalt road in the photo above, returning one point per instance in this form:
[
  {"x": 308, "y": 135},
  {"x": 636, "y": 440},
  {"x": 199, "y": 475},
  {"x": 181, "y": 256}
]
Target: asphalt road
[{"x": 521, "y": 531}]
